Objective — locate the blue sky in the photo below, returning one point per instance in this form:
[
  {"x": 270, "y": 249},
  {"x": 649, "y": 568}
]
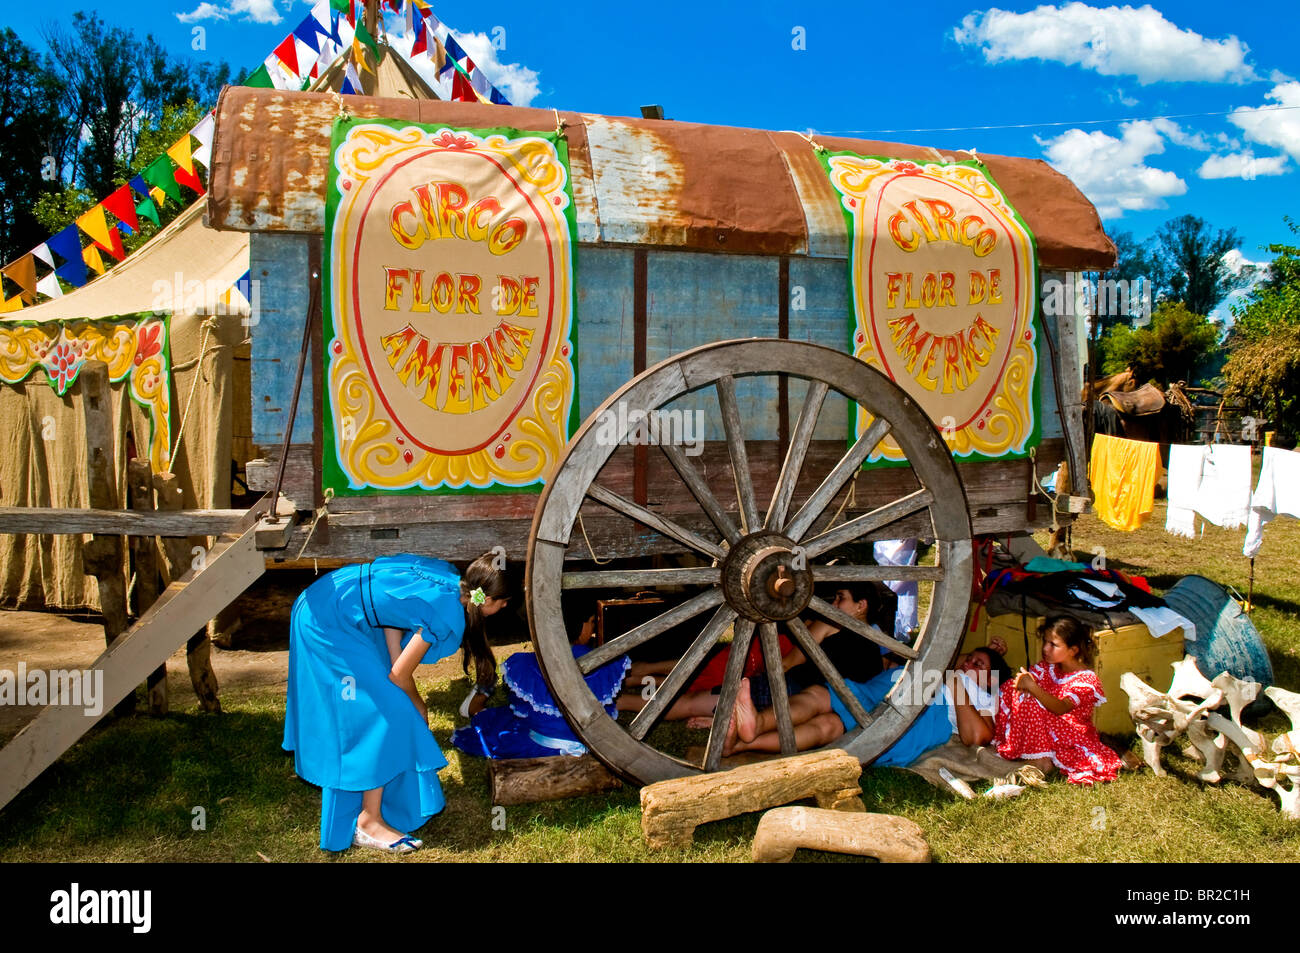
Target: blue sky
[{"x": 1083, "y": 86}]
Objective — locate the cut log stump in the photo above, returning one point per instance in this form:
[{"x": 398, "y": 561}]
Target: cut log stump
[
  {"x": 671, "y": 810},
  {"x": 890, "y": 839},
  {"x": 526, "y": 780}
]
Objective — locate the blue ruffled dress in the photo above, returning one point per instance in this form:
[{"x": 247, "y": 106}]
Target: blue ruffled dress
[
  {"x": 349, "y": 727},
  {"x": 532, "y": 725},
  {"x": 933, "y": 727}
]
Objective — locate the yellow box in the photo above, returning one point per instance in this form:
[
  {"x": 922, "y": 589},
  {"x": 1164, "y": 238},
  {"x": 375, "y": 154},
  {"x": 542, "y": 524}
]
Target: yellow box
[{"x": 1130, "y": 648}]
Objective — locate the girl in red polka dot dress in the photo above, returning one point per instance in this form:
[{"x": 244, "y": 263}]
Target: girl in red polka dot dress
[{"x": 1045, "y": 715}]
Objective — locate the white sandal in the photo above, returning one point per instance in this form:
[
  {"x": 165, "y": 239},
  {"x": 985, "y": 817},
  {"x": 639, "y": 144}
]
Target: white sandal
[{"x": 405, "y": 844}]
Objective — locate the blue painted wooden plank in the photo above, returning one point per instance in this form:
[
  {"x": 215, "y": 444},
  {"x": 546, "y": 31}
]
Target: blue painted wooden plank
[
  {"x": 279, "y": 262},
  {"x": 606, "y": 339}
]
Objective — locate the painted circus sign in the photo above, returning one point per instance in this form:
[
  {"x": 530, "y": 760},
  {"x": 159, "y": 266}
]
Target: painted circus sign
[
  {"x": 450, "y": 315},
  {"x": 943, "y": 278}
]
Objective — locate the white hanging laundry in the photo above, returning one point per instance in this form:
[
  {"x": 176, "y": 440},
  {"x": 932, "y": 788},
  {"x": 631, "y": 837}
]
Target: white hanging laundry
[
  {"x": 1223, "y": 496},
  {"x": 1278, "y": 492},
  {"x": 1185, "y": 464}
]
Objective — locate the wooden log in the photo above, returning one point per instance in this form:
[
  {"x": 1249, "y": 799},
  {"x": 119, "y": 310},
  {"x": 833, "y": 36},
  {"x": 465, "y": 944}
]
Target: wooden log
[
  {"x": 103, "y": 556},
  {"x": 144, "y": 558},
  {"x": 890, "y": 839},
  {"x": 526, "y": 780},
  {"x": 671, "y": 810},
  {"x": 179, "y": 558}
]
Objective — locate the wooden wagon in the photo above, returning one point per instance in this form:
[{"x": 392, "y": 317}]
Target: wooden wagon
[{"x": 712, "y": 285}]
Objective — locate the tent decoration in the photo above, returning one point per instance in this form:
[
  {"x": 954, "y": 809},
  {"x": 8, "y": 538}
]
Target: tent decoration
[
  {"x": 943, "y": 275},
  {"x": 134, "y": 348}
]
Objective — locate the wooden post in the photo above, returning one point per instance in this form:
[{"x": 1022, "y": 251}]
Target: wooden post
[
  {"x": 198, "y": 650},
  {"x": 888, "y": 838},
  {"x": 102, "y": 556},
  {"x": 144, "y": 556},
  {"x": 526, "y": 780}
]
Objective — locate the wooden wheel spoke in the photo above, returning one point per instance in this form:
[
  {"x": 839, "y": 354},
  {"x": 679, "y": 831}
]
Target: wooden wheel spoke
[
  {"x": 776, "y": 684},
  {"x": 835, "y": 480},
  {"x": 868, "y": 522},
  {"x": 682, "y": 671},
  {"x": 855, "y": 573},
  {"x": 794, "y": 457},
  {"x": 648, "y": 630},
  {"x": 726, "y": 388},
  {"x": 846, "y": 621},
  {"x": 743, "y": 634},
  {"x": 803, "y": 638},
  {"x": 656, "y": 522},
  {"x": 700, "y": 490},
  {"x": 640, "y": 578}
]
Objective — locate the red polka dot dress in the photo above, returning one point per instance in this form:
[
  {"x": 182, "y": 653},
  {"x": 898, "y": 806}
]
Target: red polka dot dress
[{"x": 1026, "y": 730}]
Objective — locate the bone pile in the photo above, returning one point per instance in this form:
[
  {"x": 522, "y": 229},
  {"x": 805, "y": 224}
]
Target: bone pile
[{"x": 1225, "y": 746}]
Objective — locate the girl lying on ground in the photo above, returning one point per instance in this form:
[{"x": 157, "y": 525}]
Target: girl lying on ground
[{"x": 964, "y": 706}]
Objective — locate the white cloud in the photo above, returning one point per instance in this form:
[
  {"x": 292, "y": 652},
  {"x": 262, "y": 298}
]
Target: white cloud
[
  {"x": 1176, "y": 135},
  {"x": 517, "y": 81},
  {"x": 1114, "y": 41},
  {"x": 1112, "y": 172},
  {"x": 1242, "y": 165},
  {"x": 259, "y": 11},
  {"x": 1271, "y": 125}
]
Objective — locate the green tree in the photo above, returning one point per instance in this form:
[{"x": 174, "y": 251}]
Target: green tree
[
  {"x": 1263, "y": 367},
  {"x": 1190, "y": 263},
  {"x": 29, "y": 125},
  {"x": 1170, "y": 349}
]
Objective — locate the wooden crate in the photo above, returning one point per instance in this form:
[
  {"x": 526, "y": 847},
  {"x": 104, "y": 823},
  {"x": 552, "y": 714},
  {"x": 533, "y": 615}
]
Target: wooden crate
[{"x": 1130, "y": 648}]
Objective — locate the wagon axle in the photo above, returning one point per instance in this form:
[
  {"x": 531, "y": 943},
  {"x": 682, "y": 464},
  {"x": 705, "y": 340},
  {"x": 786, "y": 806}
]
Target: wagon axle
[{"x": 760, "y": 579}]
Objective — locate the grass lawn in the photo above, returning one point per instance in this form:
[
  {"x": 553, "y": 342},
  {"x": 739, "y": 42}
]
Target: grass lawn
[{"x": 136, "y": 789}]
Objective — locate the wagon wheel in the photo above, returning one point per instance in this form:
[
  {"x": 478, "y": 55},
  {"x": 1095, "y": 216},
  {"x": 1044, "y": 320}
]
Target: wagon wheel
[{"x": 763, "y": 565}]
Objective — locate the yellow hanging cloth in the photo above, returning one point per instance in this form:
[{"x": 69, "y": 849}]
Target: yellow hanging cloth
[{"x": 1123, "y": 474}]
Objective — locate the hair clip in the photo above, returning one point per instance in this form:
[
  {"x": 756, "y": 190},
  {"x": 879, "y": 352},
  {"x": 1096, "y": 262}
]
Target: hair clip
[{"x": 478, "y": 596}]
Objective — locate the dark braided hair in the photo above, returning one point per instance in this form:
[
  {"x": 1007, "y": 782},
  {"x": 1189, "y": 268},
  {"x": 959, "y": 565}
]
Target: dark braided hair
[{"x": 481, "y": 574}]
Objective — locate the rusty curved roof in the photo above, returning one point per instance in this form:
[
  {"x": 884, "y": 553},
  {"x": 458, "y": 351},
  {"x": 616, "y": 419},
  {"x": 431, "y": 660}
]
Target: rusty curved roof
[{"x": 635, "y": 181}]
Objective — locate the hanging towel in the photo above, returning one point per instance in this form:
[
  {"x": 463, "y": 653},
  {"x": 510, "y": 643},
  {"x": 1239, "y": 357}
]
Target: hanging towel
[
  {"x": 1223, "y": 497},
  {"x": 1123, "y": 474},
  {"x": 1185, "y": 463},
  {"x": 1162, "y": 620},
  {"x": 1278, "y": 491}
]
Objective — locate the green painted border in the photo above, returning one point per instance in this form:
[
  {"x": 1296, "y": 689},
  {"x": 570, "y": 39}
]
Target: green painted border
[
  {"x": 1036, "y": 433},
  {"x": 332, "y": 475}
]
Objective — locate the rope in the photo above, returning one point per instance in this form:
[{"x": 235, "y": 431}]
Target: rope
[
  {"x": 185, "y": 415},
  {"x": 559, "y": 123},
  {"x": 594, "y": 558},
  {"x": 320, "y": 512},
  {"x": 809, "y": 139}
]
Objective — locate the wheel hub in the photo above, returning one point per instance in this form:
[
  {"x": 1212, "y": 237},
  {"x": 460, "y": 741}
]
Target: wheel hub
[{"x": 765, "y": 580}]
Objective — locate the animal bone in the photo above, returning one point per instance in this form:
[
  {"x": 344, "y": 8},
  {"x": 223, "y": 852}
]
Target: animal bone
[
  {"x": 1289, "y": 702},
  {"x": 1238, "y": 692},
  {"x": 1186, "y": 712},
  {"x": 1188, "y": 680},
  {"x": 1210, "y": 749}
]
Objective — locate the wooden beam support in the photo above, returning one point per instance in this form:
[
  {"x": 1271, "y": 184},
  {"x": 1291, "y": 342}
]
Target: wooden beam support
[
  {"x": 186, "y": 605},
  {"x": 888, "y": 838},
  {"x": 144, "y": 558},
  {"x": 527, "y": 780},
  {"x": 44, "y": 521}
]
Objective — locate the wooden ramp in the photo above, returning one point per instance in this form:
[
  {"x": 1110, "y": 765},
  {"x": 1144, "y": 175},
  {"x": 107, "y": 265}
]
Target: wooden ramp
[{"x": 186, "y": 605}]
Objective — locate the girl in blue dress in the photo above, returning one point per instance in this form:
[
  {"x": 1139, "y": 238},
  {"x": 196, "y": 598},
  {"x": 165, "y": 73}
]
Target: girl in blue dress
[{"x": 354, "y": 718}]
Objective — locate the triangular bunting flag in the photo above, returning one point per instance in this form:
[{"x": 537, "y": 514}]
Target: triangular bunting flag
[
  {"x": 335, "y": 37},
  {"x": 11, "y": 304},
  {"x": 461, "y": 90},
  {"x": 480, "y": 83},
  {"x": 114, "y": 246},
  {"x": 122, "y": 204},
  {"x": 498, "y": 99},
  {"x": 91, "y": 256},
  {"x": 419, "y": 44},
  {"x": 95, "y": 225},
  {"x": 395, "y": 5},
  {"x": 453, "y": 49},
  {"x": 42, "y": 251},
  {"x": 149, "y": 210},
  {"x": 409, "y": 10},
  {"x": 342, "y": 6},
  {"x": 160, "y": 176},
  {"x": 49, "y": 286},
  {"x": 189, "y": 179},
  {"x": 351, "y": 81},
  {"x": 287, "y": 53},
  {"x": 67, "y": 245},
  {"x": 359, "y": 56},
  {"x": 203, "y": 132},
  {"x": 438, "y": 54},
  {"x": 306, "y": 32},
  {"x": 180, "y": 153},
  {"x": 261, "y": 78},
  {"x": 23, "y": 273}
]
